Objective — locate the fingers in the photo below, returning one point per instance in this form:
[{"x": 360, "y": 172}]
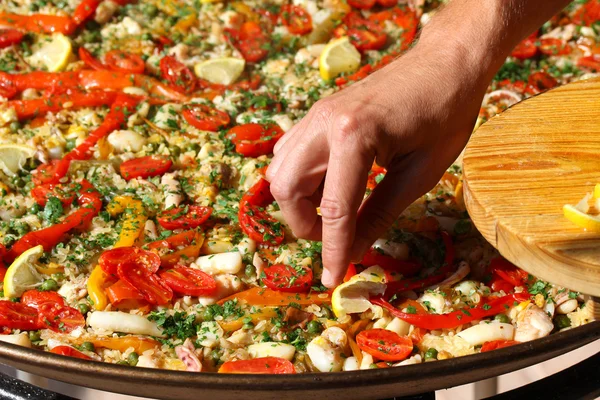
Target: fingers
[
  {"x": 297, "y": 180},
  {"x": 404, "y": 182},
  {"x": 345, "y": 183}
]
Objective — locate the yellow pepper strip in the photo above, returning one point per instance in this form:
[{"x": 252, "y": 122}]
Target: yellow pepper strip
[
  {"x": 134, "y": 222},
  {"x": 139, "y": 344},
  {"x": 51, "y": 269},
  {"x": 96, "y": 284},
  {"x": 234, "y": 325},
  {"x": 189, "y": 252},
  {"x": 105, "y": 148}
]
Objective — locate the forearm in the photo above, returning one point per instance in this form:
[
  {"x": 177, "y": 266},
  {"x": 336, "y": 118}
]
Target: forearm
[{"x": 480, "y": 34}]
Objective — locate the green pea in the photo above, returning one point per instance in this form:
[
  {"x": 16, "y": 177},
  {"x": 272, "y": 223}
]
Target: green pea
[
  {"x": 207, "y": 315},
  {"x": 562, "y": 321},
  {"x": 15, "y": 126},
  {"x": 122, "y": 362},
  {"x": 35, "y": 208},
  {"x": 133, "y": 359},
  {"x": 88, "y": 346},
  {"x": 502, "y": 318},
  {"x": 463, "y": 227},
  {"x": 151, "y": 10},
  {"x": 249, "y": 271},
  {"x": 596, "y": 27},
  {"x": 194, "y": 147},
  {"x": 314, "y": 327},
  {"x": 83, "y": 308},
  {"x": 49, "y": 285},
  {"x": 431, "y": 354},
  {"x": 146, "y": 36},
  {"x": 35, "y": 336}
]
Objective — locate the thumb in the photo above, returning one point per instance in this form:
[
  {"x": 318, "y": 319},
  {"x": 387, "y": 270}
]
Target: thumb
[{"x": 403, "y": 184}]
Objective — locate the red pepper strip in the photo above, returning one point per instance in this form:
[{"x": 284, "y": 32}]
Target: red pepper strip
[
  {"x": 117, "y": 116},
  {"x": 26, "y": 109},
  {"x": 456, "y": 318},
  {"x": 88, "y": 80},
  {"x": 406, "y": 268},
  {"x": 85, "y": 10},
  {"x": 90, "y": 205},
  {"x": 39, "y": 23}
]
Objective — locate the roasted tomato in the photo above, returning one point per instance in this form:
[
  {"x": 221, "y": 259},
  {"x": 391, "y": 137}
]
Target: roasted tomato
[
  {"x": 145, "y": 167},
  {"x": 264, "y": 365},
  {"x": 285, "y": 278}
]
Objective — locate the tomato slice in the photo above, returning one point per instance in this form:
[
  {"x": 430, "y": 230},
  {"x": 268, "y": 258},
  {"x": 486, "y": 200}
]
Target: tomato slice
[
  {"x": 60, "y": 319},
  {"x": 387, "y": 3},
  {"x": 364, "y": 34},
  {"x": 120, "y": 292},
  {"x": 180, "y": 77},
  {"x": 110, "y": 260},
  {"x": 250, "y": 40},
  {"x": 149, "y": 285},
  {"x": 508, "y": 271},
  {"x": 45, "y": 173},
  {"x": 524, "y": 50},
  {"x": 499, "y": 284},
  {"x": 554, "y": 47},
  {"x": 8, "y": 37},
  {"x": 189, "y": 281},
  {"x": 590, "y": 62},
  {"x": 18, "y": 316},
  {"x": 35, "y": 298},
  {"x": 539, "y": 82},
  {"x": 497, "y": 344},
  {"x": 384, "y": 345},
  {"x": 263, "y": 365},
  {"x": 85, "y": 10},
  {"x": 254, "y": 221},
  {"x": 255, "y": 140},
  {"x": 362, "y": 4},
  {"x": 259, "y": 194},
  {"x": 69, "y": 352},
  {"x": 65, "y": 193},
  {"x": 205, "y": 118},
  {"x": 145, "y": 167},
  {"x": 285, "y": 278},
  {"x": 187, "y": 217},
  {"x": 296, "y": 19},
  {"x": 90, "y": 60},
  {"x": 118, "y": 60}
]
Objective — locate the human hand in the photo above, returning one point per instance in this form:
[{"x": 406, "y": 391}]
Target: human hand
[{"x": 413, "y": 118}]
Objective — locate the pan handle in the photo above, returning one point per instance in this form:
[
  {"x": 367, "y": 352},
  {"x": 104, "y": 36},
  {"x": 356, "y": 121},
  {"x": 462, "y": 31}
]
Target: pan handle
[
  {"x": 581, "y": 381},
  {"x": 14, "y": 389}
]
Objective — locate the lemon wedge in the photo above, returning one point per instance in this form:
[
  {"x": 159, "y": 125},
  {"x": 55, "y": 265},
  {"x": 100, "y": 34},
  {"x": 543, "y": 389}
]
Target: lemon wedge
[
  {"x": 53, "y": 53},
  {"x": 22, "y": 274},
  {"x": 597, "y": 191},
  {"x": 13, "y": 157},
  {"x": 222, "y": 71},
  {"x": 353, "y": 296},
  {"x": 337, "y": 57},
  {"x": 578, "y": 217}
]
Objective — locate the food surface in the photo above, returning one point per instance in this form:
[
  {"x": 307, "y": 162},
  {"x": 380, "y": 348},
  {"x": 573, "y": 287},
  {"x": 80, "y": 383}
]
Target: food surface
[{"x": 137, "y": 228}]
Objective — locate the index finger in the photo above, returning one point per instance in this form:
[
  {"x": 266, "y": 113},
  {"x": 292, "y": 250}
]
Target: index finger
[{"x": 345, "y": 185}]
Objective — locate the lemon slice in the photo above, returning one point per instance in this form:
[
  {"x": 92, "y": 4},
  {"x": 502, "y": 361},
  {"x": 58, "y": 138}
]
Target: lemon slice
[
  {"x": 338, "y": 56},
  {"x": 53, "y": 53},
  {"x": 353, "y": 296},
  {"x": 578, "y": 217},
  {"x": 13, "y": 157},
  {"x": 222, "y": 71},
  {"x": 22, "y": 275}
]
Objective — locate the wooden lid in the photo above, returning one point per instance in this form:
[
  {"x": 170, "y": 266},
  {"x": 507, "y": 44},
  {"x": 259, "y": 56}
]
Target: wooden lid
[{"x": 522, "y": 166}]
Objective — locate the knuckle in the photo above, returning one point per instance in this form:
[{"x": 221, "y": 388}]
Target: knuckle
[
  {"x": 334, "y": 212},
  {"x": 282, "y": 191},
  {"x": 346, "y": 125}
]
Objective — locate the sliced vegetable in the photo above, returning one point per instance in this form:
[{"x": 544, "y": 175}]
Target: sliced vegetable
[
  {"x": 69, "y": 352},
  {"x": 255, "y": 140},
  {"x": 250, "y": 40},
  {"x": 189, "y": 281},
  {"x": 139, "y": 344},
  {"x": 8, "y": 37},
  {"x": 205, "y": 118},
  {"x": 455, "y": 319},
  {"x": 296, "y": 19},
  {"x": 267, "y": 297},
  {"x": 179, "y": 77},
  {"x": 110, "y": 260},
  {"x": 285, "y": 278},
  {"x": 186, "y": 217},
  {"x": 18, "y": 316},
  {"x": 134, "y": 221},
  {"x": 406, "y": 268},
  {"x": 497, "y": 344},
  {"x": 118, "y": 60},
  {"x": 384, "y": 345},
  {"x": 186, "y": 245},
  {"x": 265, "y": 365},
  {"x": 149, "y": 285},
  {"x": 145, "y": 167}
]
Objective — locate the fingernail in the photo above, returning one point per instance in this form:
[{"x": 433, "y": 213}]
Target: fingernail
[{"x": 327, "y": 279}]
